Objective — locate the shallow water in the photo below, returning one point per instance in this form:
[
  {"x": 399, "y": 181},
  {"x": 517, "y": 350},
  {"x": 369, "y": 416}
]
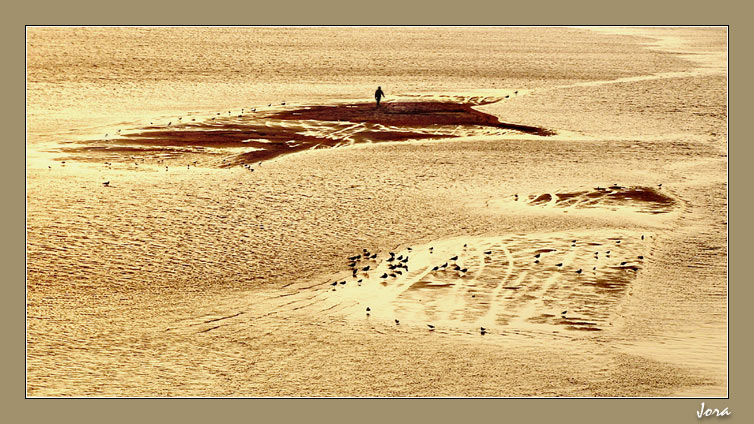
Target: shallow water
[{"x": 183, "y": 278}]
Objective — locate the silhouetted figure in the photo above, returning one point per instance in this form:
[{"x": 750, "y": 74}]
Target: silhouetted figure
[{"x": 378, "y": 95}]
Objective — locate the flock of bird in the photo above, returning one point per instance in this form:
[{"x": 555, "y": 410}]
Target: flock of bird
[
  {"x": 180, "y": 118},
  {"x": 246, "y": 166},
  {"x": 365, "y": 262}
]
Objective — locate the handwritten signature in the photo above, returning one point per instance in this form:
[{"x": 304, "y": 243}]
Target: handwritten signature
[{"x": 707, "y": 412}]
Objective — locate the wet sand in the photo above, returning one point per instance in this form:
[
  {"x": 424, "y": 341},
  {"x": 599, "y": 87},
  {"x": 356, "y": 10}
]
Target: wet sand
[{"x": 267, "y": 134}]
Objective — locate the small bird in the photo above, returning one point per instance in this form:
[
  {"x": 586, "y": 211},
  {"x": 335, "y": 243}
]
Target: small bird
[
  {"x": 537, "y": 255},
  {"x": 397, "y": 322},
  {"x": 489, "y": 252},
  {"x": 579, "y": 271},
  {"x": 368, "y": 309},
  {"x": 564, "y": 312},
  {"x": 383, "y": 275},
  {"x": 431, "y": 327},
  {"x": 640, "y": 257},
  {"x": 106, "y": 184},
  {"x": 483, "y": 331},
  {"x": 366, "y": 268},
  {"x": 454, "y": 258},
  {"x": 560, "y": 264},
  {"x": 537, "y": 261},
  {"x": 334, "y": 283},
  {"x": 435, "y": 268},
  {"x": 342, "y": 282},
  {"x": 642, "y": 236},
  {"x": 623, "y": 263}
]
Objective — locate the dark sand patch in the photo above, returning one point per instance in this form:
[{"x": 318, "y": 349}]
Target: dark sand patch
[
  {"x": 642, "y": 199},
  {"x": 269, "y": 134}
]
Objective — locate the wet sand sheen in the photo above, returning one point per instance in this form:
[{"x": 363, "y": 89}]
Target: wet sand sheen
[{"x": 269, "y": 134}]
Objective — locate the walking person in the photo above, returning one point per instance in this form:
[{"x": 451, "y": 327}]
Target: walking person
[{"x": 378, "y": 95}]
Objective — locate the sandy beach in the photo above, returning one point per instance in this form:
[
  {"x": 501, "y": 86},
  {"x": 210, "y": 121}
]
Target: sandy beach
[{"x": 562, "y": 233}]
